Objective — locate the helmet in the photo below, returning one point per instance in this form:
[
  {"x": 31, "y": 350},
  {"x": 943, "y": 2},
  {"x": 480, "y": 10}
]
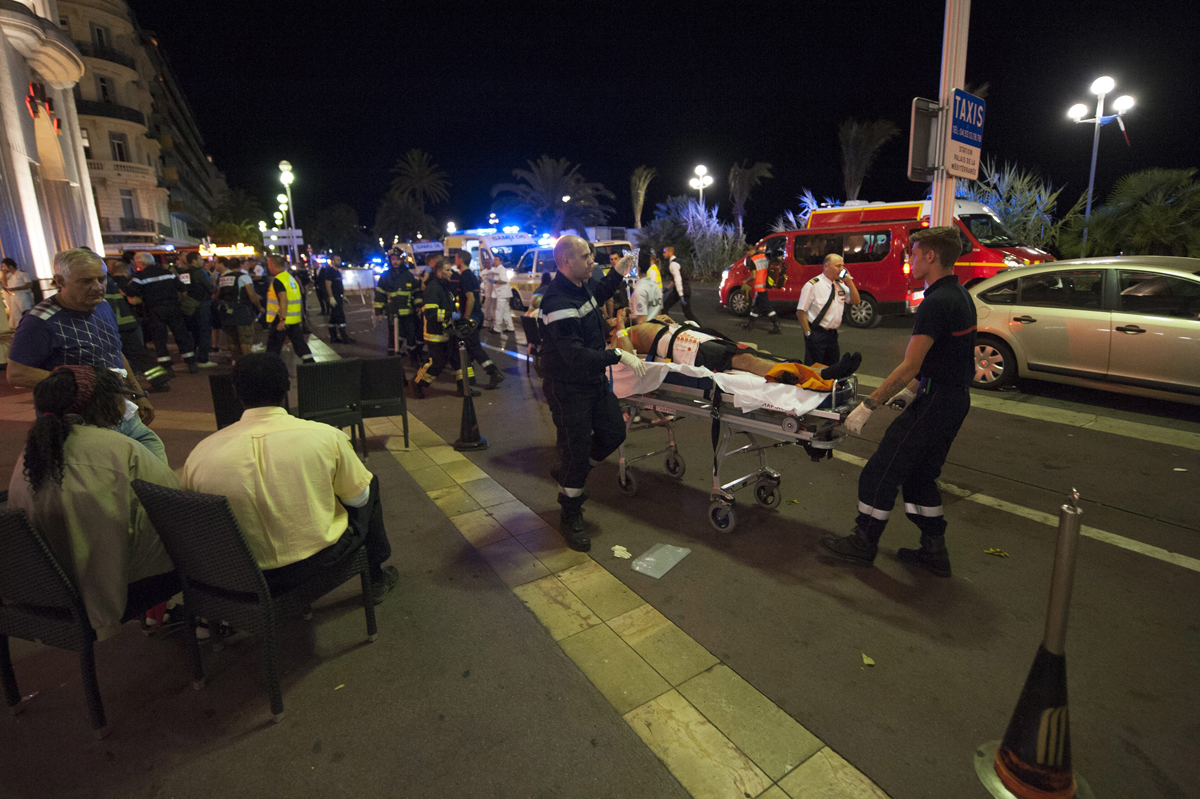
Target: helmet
[{"x": 396, "y": 251}]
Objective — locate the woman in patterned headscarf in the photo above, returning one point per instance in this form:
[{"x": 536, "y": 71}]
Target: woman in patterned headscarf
[{"x": 74, "y": 484}]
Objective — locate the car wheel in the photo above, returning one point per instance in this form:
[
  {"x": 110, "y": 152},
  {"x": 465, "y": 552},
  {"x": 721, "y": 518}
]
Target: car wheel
[
  {"x": 995, "y": 365},
  {"x": 865, "y": 314},
  {"x": 739, "y": 302}
]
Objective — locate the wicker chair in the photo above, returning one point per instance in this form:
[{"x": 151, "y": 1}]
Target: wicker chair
[
  {"x": 330, "y": 392},
  {"x": 38, "y": 602},
  {"x": 227, "y": 407},
  {"x": 382, "y": 393},
  {"x": 222, "y": 581}
]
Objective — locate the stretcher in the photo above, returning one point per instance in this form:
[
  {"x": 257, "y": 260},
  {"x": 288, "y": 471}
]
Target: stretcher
[{"x": 736, "y": 403}]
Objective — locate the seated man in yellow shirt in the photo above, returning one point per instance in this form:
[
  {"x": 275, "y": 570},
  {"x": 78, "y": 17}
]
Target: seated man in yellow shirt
[{"x": 299, "y": 492}]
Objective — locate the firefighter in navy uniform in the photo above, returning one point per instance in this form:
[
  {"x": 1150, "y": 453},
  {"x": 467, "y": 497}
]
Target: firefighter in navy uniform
[
  {"x": 285, "y": 318},
  {"x": 575, "y": 380},
  {"x": 158, "y": 289},
  {"x": 439, "y": 315},
  {"x": 394, "y": 299},
  {"x": 469, "y": 305},
  {"x": 931, "y": 384},
  {"x": 133, "y": 345}
]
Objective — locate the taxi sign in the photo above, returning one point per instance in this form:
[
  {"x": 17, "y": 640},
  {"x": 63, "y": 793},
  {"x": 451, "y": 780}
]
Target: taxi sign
[{"x": 966, "y": 135}]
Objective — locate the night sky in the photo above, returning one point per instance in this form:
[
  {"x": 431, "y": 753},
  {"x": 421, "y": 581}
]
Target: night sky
[{"x": 485, "y": 87}]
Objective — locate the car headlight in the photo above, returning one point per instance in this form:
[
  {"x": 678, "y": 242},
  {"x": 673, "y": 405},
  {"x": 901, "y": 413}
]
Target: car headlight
[
  {"x": 724, "y": 276},
  {"x": 1012, "y": 260}
]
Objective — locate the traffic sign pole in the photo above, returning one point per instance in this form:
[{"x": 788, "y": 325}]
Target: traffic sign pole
[{"x": 954, "y": 63}]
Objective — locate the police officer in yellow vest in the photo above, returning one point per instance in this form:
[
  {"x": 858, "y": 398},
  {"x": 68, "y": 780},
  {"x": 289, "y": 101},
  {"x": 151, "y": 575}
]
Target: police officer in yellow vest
[{"x": 284, "y": 301}]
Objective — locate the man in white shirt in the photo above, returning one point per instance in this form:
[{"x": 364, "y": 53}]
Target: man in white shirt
[
  {"x": 18, "y": 292},
  {"x": 501, "y": 297},
  {"x": 646, "y": 301},
  {"x": 486, "y": 286},
  {"x": 822, "y": 301}
]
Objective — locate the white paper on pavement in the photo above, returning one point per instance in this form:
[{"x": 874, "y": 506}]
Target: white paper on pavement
[{"x": 659, "y": 559}]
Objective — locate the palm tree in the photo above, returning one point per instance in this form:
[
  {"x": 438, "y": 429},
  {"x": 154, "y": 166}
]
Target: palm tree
[
  {"x": 421, "y": 179},
  {"x": 1152, "y": 212},
  {"x": 638, "y": 182},
  {"x": 401, "y": 215},
  {"x": 230, "y": 233},
  {"x": 553, "y": 193},
  {"x": 860, "y": 145},
  {"x": 742, "y": 180},
  {"x": 235, "y": 205}
]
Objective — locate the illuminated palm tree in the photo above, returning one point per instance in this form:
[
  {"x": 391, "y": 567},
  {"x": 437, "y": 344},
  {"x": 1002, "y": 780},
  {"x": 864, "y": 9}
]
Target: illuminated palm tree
[
  {"x": 860, "y": 145},
  {"x": 401, "y": 215},
  {"x": 638, "y": 182},
  {"x": 553, "y": 193},
  {"x": 742, "y": 180}
]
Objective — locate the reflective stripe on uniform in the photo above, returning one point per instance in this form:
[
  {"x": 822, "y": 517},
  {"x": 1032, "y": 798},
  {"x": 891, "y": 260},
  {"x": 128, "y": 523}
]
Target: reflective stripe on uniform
[
  {"x": 923, "y": 510},
  {"x": 142, "y": 281},
  {"x": 569, "y": 313},
  {"x": 874, "y": 513}
]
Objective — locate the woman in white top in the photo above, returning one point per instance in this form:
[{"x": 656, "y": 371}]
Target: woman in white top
[
  {"x": 501, "y": 297},
  {"x": 18, "y": 293}
]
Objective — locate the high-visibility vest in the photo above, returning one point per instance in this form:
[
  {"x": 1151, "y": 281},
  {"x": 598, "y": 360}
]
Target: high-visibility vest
[
  {"x": 759, "y": 262},
  {"x": 292, "y": 313}
]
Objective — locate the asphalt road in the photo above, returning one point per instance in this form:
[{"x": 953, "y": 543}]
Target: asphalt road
[{"x": 950, "y": 655}]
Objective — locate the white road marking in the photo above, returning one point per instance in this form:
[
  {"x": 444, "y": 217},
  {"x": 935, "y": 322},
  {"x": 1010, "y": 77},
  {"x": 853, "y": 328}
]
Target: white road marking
[
  {"x": 1090, "y": 421},
  {"x": 1050, "y": 520}
]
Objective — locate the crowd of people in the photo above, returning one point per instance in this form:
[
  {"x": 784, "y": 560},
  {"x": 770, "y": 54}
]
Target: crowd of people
[{"x": 83, "y": 349}]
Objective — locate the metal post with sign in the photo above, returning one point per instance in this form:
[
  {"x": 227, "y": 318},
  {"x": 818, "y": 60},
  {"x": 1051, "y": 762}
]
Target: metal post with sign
[
  {"x": 954, "y": 62},
  {"x": 966, "y": 135},
  {"x": 283, "y": 237}
]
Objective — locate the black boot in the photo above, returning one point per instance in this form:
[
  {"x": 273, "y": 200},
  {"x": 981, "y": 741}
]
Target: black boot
[
  {"x": 776, "y": 330},
  {"x": 858, "y": 547},
  {"x": 932, "y": 555},
  {"x": 495, "y": 375},
  {"x": 572, "y": 523},
  {"x": 346, "y": 335},
  {"x": 193, "y": 367},
  {"x": 847, "y": 366},
  {"x": 748, "y": 324},
  {"x": 418, "y": 389},
  {"x": 333, "y": 335}
]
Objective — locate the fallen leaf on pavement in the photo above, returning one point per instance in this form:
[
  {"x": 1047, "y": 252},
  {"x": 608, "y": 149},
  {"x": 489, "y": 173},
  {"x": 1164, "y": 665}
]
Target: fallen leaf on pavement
[
  {"x": 1179, "y": 470},
  {"x": 340, "y": 687},
  {"x": 1000, "y": 553},
  {"x": 868, "y": 661},
  {"x": 793, "y": 502}
]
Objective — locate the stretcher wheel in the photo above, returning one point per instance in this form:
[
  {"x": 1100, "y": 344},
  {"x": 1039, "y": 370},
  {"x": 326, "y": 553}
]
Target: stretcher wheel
[
  {"x": 722, "y": 516},
  {"x": 674, "y": 465},
  {"x": 790, "y": 425},
  {"x": 767, "y": 494},
  {"x": 629, "y": 485}
]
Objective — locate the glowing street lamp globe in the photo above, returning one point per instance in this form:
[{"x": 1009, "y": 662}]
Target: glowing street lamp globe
[
  {"x": 1103, "y": 85},
  {"x": 1078, "y": 111},
  {"x": 1123, "y": 104}
]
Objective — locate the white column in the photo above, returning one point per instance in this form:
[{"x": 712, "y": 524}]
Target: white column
[
  {"x": 66, "y": 101},
  {"x": 22, "y": 178}
]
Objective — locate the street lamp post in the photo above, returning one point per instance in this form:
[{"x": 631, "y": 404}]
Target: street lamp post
[
  {"x": 1100, "y": 87},
  {"x": 286, "y": 177},
  {"x": 702, "y": 181}
]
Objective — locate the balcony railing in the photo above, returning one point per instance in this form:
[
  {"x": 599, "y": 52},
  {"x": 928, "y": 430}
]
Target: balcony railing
[
  {"x": 95, "y": 109},
  {"x": 139, "y": 225},
  {"x": 105, "y": 53},
  {"x": 125, "y": 169}
]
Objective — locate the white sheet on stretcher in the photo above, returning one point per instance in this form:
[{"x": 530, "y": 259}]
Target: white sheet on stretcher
[{"x": 747, "y": 392}]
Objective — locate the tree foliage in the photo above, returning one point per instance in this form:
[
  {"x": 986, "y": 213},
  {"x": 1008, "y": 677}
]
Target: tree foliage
[
  {"x": 336, "y": 228},
  {"x": 861, "y": 142},
  {"x": 1152, "y": 212},
  {"x": 1023, "y": 201},
  {"x": 639, "y": 181},
  {"x": 418, "y": 178},
  {"x": 226, "y": 234},
  {"x": 742, "y": 180},
  {"x": 539, "y": 196},
  {"x": 703, "y": 244},
  {"x": 797, "y": 220},
  {"x": 402, "y": 216},
  {"x": 235, "y": 205}
]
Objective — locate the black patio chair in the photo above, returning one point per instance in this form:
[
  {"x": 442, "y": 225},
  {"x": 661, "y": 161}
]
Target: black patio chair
[
  {"x": 38, "y": 602},
  {"x": 382, "y": 391},
  {"x": 227, "y": 407},
  {"x": 221, "y": 579},
  {"x": 330, "y": 392}
]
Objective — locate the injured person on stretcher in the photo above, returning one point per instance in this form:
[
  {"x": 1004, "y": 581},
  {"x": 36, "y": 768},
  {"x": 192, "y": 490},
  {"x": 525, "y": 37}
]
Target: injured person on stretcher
[{"x": 665, "y": 340}]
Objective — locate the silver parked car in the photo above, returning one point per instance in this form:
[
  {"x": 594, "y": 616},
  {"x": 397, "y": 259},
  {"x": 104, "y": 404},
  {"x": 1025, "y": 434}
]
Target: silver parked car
[{"x": 1129, "y": 324}]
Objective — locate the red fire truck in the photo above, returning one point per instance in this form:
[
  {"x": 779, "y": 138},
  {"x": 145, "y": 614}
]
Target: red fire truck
[{"x": 873, "y": 240}]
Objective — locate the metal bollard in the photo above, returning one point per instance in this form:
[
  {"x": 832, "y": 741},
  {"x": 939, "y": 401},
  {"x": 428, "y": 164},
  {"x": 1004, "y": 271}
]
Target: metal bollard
[{"x": 1033, "y": 761}]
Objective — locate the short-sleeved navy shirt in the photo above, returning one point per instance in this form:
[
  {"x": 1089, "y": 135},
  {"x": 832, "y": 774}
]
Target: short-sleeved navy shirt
[
  {"x": 334, "y": 276},
  {"x": 947, "y": 315},
  {"x": 51, "y": 335},
  {"x": 468, "y": 283}
]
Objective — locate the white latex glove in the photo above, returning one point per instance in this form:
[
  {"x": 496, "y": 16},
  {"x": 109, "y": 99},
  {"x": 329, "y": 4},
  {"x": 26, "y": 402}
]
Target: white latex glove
[
  {"x": 624, "y": 265},
  {"x": 857, "y": 418},
  {"x": 633, "y": 362},
  {"x": 903, "y": 399}
]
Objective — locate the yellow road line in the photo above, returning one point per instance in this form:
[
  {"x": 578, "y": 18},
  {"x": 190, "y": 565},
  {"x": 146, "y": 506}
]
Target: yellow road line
[{"x": 1149, "y": 550}]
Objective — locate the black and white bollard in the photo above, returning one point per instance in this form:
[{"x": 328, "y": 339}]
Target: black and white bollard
[{"x": 469, "y": 438}]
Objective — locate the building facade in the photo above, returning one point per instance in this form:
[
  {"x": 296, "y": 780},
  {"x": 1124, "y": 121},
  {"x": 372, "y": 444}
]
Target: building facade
[
  {"x": 152, "y": 183},
  {"x": 45, "y": 188}
]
